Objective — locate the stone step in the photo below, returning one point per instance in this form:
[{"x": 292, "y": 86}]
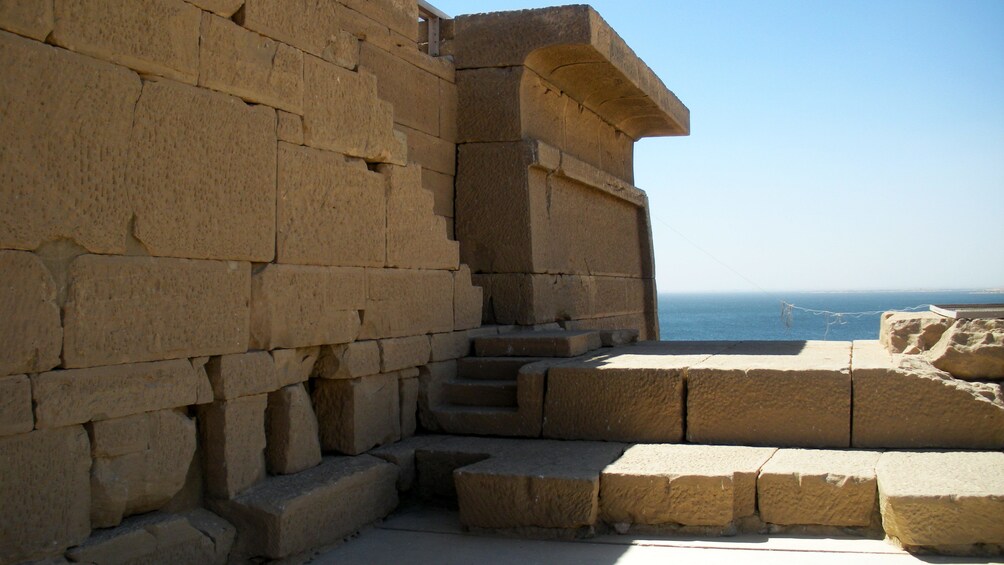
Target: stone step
[
  {"x": 492, "y": 368},
  {"x": 481, "y": 393},
  {"x": 287, "y": 515},
  {"x": 556, "y": 343}
]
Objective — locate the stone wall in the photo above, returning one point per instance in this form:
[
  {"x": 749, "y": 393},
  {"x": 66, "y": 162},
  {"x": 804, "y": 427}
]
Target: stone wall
[{"x": 225, "y": 247}]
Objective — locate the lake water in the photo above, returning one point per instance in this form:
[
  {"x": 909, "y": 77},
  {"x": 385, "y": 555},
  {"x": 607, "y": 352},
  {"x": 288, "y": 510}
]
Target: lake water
[{"x": 758, "y": 316}]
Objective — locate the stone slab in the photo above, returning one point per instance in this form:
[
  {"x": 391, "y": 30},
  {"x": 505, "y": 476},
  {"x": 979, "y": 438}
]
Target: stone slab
[
  {"x": 414, "y": 92},
  {"x": 157, "y": 37},
  {"x": 45, "y": 492},
  {"x": 88, "y": 110},
  {"x": 289, "y": 128},
  {"x": 416, "y": 237},
  {"x": 906, "y": 403},
  {"x": 783, "y": 394},
  {"x": 300, "y": 306},
  {"x": 467, "y": 300},
  {"x": 224, "y": 8},
  {"x": 30, "y": 19},
  {"x": 294, "y": 365},
  {"x": 403, "y": 302},
  {"x": 690, "y": 485},
  {"x": 32, "y": 333},
  {"x": 100, "y": 393},
  {"x": 356, "y": 415},
  {"x": 820, "y": 487},
  {"x": 292, "y": 443},
  {"x": 232, "y": 436},
  {"x": 292, "y": 514},
  {"x": 131, "y": 309},
  {"x": 16, "y": 416},
  {"x": 202, "y": 174},
  {"x": 538, "y": 344},
  {"x": 349, "y": 361},
  {"x": 241, "y": 374},
  {"x": 326, "y": 200},
  {"x": 308, "y": 26},
  {"x": 450, "y": 345},
  {"x": 942, "y": 499},
  {"x": 492, "y": 368},
  {"x": 245, "y": 64},
  {"x": 404, "y": 352}
]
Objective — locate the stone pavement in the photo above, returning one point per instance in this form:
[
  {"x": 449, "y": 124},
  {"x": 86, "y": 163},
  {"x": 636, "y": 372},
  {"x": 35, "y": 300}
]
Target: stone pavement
[{"x": 421, "y": 535}]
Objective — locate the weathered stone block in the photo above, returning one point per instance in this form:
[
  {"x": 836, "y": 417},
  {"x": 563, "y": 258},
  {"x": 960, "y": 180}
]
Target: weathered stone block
[
  {"x": 232, "y": 433},
  {"x": 601, "y": 401},
  {"x": 225, "y": 8},
  {"x": 441, "y": 187},
  {"x": 158, "y": 37},
  {"x": 129, "y": 476},
  {"x": 429, "y": 151},
  {"x": 101, "y": 393},
  {"x": 292, "y": 514},
  {"x": 467, "y": 300},
  {"x": 160, "y": 539},
  {"x": 911, "y": 332},
  {"x": 403, "y": 302},
  {"x": 289, "y": 128},
  {"x": 128, "y": 309},
  {"x": 905, "y": 402},
  {"x": 408, "y": 391},
  {"x": 298, "y": 306},
  {"x": 349, "y": 361},
  {"x": 691, "y": 485},
  {"x": 331, "y": 210},
  {"x": 488, "y": 106},
  {"x": 554, "y": 343},
  {"x": 399, "y": 15},
  {"x": 30, "y": 19},
  {"x": 416, "y": 238},
  {"x": 403, "y": 352},
  {"x": 814, "y": 486},
  {"x": 942, "y": 499},
  {"x": 32, "y": 332},
  {"x": 413, "y": 92},
  {"x": 341, "y": 112},
  {"x": 294, "y": 366},
  {"x": 448, "y": 105},
  {"x": 971, "y": 349},
  {"x": 202, "y": 174},
  {"x": 61, "y": 108},
  {"x": 15, "y": 405},
  {"x": 356, "y": 415},
  {"x": 308, "y": 26},
  {"x": 452, "y": 345},
  {"x": 241, "y": 374},
  {"x": 291, "y": 427},
  {"x": 45, "y": 492},
  {"x": 795, "y": 394},
  {"x": 431, "y": 379},
  {"x": 243, "y": 63}
]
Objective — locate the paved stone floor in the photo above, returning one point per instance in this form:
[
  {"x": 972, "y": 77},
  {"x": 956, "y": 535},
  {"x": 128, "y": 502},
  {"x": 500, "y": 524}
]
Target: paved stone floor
[{"x": 431, "y": 536}]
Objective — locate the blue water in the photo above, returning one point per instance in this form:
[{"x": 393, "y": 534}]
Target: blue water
[{"x": 757, "y": 316}]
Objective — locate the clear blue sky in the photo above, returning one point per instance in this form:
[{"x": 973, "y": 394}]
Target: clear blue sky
[{"x": 840, "y": 145}]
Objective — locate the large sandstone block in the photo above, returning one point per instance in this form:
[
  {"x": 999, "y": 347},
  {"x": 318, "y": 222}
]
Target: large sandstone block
[
  {"x": 61, "y": 109},
  {"x": 30, "y": 19},
  {"x": 140, "y": 463},
  {"x": 553, "y": 343},
  {"x": 199, "y": 537},
  {"x": 942, "y": 499},
  {"x": 304, "y": 24},
  {"x": 816, "y": 486},
  {"x": 232, "y": 435},
  {"x": 158, "y": 37},
  {"x": 16, "y": 415},
  {"x": 905, "y": 402},
  {"x": 416, "y": 237},
  {"x": 331, "y": 210},
  {"x": 224, "y": 8},
  {"x": 356, "y": 415},
  {"x": 291, "y": 431},
  {"x": 243, "y": 63},
  {"x": 971, "y": 349},
  {"x": 292, "y": 514},
  {"x": 795, "y": 394},
  {"x": 289, "y": 128},
  {"x": 408, "y": 393},
  {"x": 101, "y": 393},
  {"x": 349, "y": 361},
  {"x": 441, "y": 187},
  {"x": 202, "y": 174},
  {"x": 452, "y": 345},
  {"x": 467, "y": 300},
  {"x": 911, "y": 332},
  {"x": 299, "y": 306},
  {"x": 45, "y": 493},
  {"x": 401, "y": 16},
  {"x": 429, "y": 151},
  {"x": 241, "y": 374},
  {"x": 129, "y": 309},
  {"x": 403, "y": 302},
  {"x": 404, "y": 352},
  {"x": 341, "y": 112},
  {"x": 414, "y": 92},
  {"x": 294, "y": 366},
  {"x": 32, "y": 333},
  {"x": 690, "y": 485}
]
